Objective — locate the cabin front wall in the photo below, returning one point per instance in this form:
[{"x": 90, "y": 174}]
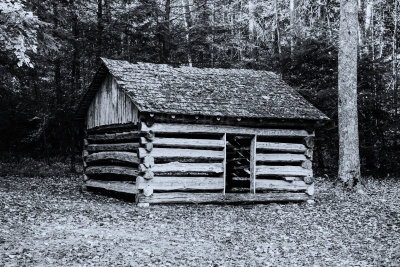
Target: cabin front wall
[
  {"x": 193, "y": 163},
  {"x": 111, "y": 106}
]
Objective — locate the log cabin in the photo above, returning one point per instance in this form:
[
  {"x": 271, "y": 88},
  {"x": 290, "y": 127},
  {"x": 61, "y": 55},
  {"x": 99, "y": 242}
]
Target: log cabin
[{"x": 165, "y": 134}]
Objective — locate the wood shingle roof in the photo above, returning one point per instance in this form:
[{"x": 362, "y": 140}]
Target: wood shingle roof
[{"x": 159, "y": 88}]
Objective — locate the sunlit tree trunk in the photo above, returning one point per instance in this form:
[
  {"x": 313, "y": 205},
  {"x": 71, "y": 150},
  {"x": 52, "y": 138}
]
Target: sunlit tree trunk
[
  {"x": 277, "y": 33},
  {"x": 188, "y": 26},
  {"x": 166, "y": 33},
  {"x": 293, "y": 26},
  {"x": 349, "y": 159}
]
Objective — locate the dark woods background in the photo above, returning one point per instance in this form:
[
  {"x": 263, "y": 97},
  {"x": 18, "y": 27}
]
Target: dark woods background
[{"x": 50, "y": 50}]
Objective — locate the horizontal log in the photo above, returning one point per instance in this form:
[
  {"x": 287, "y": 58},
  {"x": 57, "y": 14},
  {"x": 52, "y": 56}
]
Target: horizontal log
[
  {"x": 125, "y": 136},
  {"x": 282, "y": 171},
  {"x": 290, "y": 158},
  {"x": 185, "y": 143},
  {"x": 122, "y": 187},
  {"x": 177, "y": 167},
  {"x": 179, "y": 153},
  {"x": 281, "y": 185},
  {"x": 182, "y": 183},
  {"x": 116, "y": 170},
  {"x": 113, "y": 155},
  {"x": 281, "y": 147},
  {"x": 201, "y": 128},
  {"x": 113, "y": 147},
  {"x": 215, "y": 198}
]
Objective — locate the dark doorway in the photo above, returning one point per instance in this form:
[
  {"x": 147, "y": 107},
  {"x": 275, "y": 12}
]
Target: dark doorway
[{"x": 238, "y": 163}]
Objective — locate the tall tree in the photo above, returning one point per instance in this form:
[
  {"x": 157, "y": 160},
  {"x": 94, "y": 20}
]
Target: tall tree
[
  {"x": 100, "y": 27},
  {"x": 349, "y": 159},
  {"x": 188, "y": 25}
]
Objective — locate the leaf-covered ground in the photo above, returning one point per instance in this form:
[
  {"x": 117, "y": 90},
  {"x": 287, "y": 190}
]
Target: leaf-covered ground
[{"x": 50, "y": 222}]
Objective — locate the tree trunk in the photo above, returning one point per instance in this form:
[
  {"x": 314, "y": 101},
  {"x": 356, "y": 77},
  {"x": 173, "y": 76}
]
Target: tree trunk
[
  {"x": 188, "y": 26},
  {"x": 57, "y": 63},
  {"x": 166, "y": 33},
  {"x": 100, "y": 26},
  {"x": 394, "y": 64},
  {"x": 349, "y": 159},
  {"x": 212, "y": 34},
  {"x": 293, "y": 27},
  {"x": 277, "y": 38}
]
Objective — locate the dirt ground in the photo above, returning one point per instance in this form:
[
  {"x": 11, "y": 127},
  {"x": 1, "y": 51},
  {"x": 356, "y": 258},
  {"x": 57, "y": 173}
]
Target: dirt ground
[{"x": 50, "y": 222}]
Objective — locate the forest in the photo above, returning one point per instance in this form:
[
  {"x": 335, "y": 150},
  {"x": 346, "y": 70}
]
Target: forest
[{"x": 50, "y": 50}]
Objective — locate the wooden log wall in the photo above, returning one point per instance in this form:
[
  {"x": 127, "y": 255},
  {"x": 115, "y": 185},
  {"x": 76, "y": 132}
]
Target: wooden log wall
[
  {"x": 110, "y": 159},
  {"x": 283, "y": 165},
  {"x": 184, "y": 163},
  {"x": 176, "y": 163}
]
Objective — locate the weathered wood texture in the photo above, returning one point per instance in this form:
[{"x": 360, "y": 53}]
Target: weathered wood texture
[
  {"x": 282, "y": 171},
  {"x": 281, "y": 147},
  {"x": 191, "y": 183},
  {"x": 111, "y": 106},
  {"x": 253, "y": 164},
  {"x": 177, "y": 167},
  {"x": 222, "y": 129},
  {"x": 224, "y": 163},
  {"x": 124, "y": 136},
  {"x": 185, "y": 143},
  {"x": 111, "y": 170},
  {"x": 128, "y": 188},
  {"x": 280, "y": 185},
  {"x": 127, "y": 157},
  {"x": 178, "y": 153},
  {"x": 210, "y": 198},
  {"x": 113, "y": 147},
  {"x": 289, "y": 158}
]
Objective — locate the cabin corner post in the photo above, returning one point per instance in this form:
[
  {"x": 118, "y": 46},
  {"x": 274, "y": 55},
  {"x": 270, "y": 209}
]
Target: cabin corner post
[
  {"x": 144, "y": 180},
  {"x": 309, "y": 142},
  {"x": 85, "y": 153},
  {"x": 224, "y": 164},
  {"x": 253, "y": 161}
]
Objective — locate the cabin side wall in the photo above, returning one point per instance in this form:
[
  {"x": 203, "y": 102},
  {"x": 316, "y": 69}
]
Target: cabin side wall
[
  {"x": 192, "y": 163},
  {"x": 110, "y": 159},
  {"x": 111, "y": 106}
]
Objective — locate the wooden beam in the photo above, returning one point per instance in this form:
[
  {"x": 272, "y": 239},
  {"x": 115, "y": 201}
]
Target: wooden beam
[
  {"x": 124, "y": 136},
  {"x": 177, "y": 167},
  {"x": 289, "y": 158},
  {"x": 179, "y": 153},
  {"x": 160, "y": 183},
  {"x": 281, "y": 185},
  {"x": 128, "y": 157},
  {"x": 281, "y": 147},
  {"x": 116, "y": 170},
  {"x": 224, "y": 164},
  {"x": 113, "y": 147},
  {"x": 185, "y": 142},
  {"x": 216, "y": 198},
  {"x": 253, "y": 161},
  {"x": 122, "y": 187},
  {"x": 282, "y": 171},
  {"x": 207, "y": 129}
]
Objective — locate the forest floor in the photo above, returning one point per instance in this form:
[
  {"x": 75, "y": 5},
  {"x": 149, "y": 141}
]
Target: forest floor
[{"x": 51, "y": 222}]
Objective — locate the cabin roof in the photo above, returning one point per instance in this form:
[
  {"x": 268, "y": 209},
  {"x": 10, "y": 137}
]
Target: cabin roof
[{"x": 160, "y": 88}]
